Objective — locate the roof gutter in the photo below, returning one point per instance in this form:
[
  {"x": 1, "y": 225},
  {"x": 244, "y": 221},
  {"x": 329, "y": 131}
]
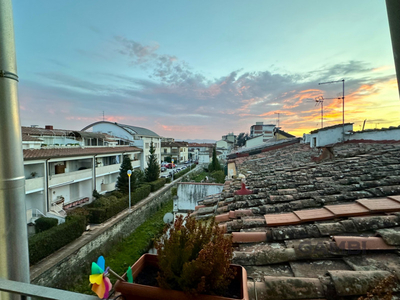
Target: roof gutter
[{"x": 14, "y": 258}]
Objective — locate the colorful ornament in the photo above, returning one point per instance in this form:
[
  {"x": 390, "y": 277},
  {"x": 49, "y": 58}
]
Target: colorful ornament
[{"x": 101, "y": 285}]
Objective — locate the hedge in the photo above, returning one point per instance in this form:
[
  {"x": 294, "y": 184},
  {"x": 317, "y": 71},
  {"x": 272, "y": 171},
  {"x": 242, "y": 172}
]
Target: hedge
[
  {"x": 49, "y": 241},
  {"x": 183, "y": 172},
  {"x": 44, "y": 223},
  {"x": 104, "y": 208},
  {"x": 158, "y": 184}
]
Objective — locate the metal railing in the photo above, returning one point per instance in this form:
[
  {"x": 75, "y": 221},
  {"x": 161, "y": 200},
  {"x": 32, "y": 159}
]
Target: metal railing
[{"x": 40, "y": 292}]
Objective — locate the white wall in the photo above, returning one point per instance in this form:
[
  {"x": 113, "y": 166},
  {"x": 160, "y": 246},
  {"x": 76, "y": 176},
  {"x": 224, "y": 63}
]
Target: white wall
[
  {"x": 204, "y": 158},
  {"x": 254, "y": 141},
  {"x": 378, "y": 135},
  {"x": 329, "y": 136},
  {"x": 190, "y": 193}
]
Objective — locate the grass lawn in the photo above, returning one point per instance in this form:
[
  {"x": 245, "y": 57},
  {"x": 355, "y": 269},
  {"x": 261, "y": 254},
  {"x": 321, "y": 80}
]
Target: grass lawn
[{"x": 129, "y": 250}]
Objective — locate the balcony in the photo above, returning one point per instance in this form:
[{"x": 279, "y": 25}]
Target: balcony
[
  {"x": 107, "y": 169},
  {"x": 135, "y": 163},
  {"x": 34, "y": 184},
  {"x": 70, "y": 177}
]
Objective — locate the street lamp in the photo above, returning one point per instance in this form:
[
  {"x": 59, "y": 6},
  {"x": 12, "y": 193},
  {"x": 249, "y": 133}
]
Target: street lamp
[{"x": 129, "y": 172}]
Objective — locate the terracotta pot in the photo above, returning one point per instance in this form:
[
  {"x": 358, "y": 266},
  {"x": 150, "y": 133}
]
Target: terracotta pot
[{"x": 134, "y": 291}]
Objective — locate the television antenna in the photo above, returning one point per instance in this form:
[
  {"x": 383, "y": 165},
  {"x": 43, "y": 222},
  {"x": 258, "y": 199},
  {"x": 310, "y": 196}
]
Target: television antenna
[
  {"x": 278, "y": 119},
  {"x": 320, "y": 101}
]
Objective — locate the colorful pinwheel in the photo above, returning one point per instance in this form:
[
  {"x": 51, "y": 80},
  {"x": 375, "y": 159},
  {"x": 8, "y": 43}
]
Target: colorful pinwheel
[{"x": 101, "y": 285}]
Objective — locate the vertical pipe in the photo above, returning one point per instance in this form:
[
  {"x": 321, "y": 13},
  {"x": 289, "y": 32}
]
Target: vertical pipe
[
  {"x": 393, "y": 11},
  {"x": 14, "y": 258}
]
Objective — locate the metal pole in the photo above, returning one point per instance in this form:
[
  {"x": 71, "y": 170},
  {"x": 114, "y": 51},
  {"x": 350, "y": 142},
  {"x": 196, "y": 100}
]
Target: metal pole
[
  {"x": 393, "y": 11},
  {"x": 14, "y": 257},
  {"x": 129, "y": 172}
]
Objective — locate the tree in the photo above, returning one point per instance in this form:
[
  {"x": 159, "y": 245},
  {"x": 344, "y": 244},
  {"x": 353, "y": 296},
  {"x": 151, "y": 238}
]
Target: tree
[
  {"x": 214, "y": 165},
  {"x": 123, "y": 178},
  {"x": 242, "y": 138},
  {"x": 153, "y": 168}
]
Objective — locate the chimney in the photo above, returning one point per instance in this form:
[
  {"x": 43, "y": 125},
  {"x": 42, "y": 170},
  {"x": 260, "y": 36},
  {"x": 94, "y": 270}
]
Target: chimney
[{"x": 49, "y": 127}]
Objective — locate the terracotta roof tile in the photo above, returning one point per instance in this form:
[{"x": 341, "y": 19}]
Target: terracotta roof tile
[
  {"x": 395, "y": 198},
  {"x": 75, "y": 151},
  {"x": 281, "y": 219},
  {"x": 380, "y": 205},
  {"x": 314, "y": 214},
  {"x": 249, "y": 237},
  {"x": 361, "y": 243},
  {"x": 351, "y": 209}
]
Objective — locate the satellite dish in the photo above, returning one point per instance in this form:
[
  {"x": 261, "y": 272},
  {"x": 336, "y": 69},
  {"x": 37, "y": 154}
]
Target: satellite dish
[{"x": 168, "y": 218}]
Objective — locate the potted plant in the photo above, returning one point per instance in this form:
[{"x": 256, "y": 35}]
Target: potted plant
[
  {"x": 193, "y": 262},
  {"x": 33, "y": 174}
]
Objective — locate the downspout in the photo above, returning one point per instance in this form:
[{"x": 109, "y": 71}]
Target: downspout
[
  {"x": 393, "y": 11},
  {"x": 14, "y": 257}
]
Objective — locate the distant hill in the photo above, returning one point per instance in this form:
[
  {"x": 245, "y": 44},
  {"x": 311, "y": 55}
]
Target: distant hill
[{"x": 198, "y": 141}]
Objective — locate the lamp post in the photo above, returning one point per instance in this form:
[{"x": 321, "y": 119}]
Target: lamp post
[{"x": 129, "y": 172}]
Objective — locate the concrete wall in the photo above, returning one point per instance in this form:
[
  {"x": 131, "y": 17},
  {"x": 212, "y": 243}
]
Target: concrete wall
[
  {"x": 60, "y": 268},
  {"x": 254, "y": 141},
  {"x": 190, "y": 192},
  {"x": 329, "y": 136},
  {"x": 376, "y": 135}
]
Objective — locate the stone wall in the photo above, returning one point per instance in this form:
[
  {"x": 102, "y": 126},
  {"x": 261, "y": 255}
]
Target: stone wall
[
  {"x": 191, "y": 192},
  {"x": 61, "y": 267}
]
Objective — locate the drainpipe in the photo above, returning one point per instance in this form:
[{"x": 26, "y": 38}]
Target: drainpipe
[
  {"x": 393, "y": 11},
  {"x": 14, "y": 258}
]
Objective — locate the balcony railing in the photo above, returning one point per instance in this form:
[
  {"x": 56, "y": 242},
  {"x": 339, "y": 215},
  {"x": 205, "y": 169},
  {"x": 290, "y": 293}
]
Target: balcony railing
[
  {"x": 107, "y": 169},
  {"x": 41, "y": 292},
  {"x": 69, "y": 177},
  {"x": 33, "y": 184}
]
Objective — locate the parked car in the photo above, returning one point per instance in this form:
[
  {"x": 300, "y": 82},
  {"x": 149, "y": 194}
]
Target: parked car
[
  {"x": 170, "y": 166},
  {"x": 163, "y": 169}
]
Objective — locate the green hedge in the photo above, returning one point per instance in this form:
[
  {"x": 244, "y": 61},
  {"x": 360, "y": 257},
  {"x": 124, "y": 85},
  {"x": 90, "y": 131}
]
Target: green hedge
[
  {"x": 183, "y": 172},
  {"x": 44, "y": 223},
  {"x": 49, "y": 241},
  {"x": 158, "y": 184},
  {"x": 104, "y": 208}
]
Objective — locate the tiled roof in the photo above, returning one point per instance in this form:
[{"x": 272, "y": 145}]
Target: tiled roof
[
  {"x": 28, "y": 138},
  {"x": 75, "y": 151},
  {"x": 309, "y": 230}
]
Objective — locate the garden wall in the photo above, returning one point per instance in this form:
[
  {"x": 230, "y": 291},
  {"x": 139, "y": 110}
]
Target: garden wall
[{"x": 60, "y": 268}]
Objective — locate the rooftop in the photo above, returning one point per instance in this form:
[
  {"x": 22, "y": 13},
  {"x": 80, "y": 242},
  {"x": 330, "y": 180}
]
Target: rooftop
[
  {"x": 74, "y": 151},
  {"x": 308, "y": 230}
]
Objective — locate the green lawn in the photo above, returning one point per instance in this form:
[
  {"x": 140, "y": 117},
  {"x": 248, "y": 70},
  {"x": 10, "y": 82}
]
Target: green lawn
[{"x": 129, "y": 250}]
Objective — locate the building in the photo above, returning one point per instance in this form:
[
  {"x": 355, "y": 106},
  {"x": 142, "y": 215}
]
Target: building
[
  {"x": 266, "y": 130},
  {"x": 308, "y": 230},
  {"x": 200, "y": 152},
  {"x": 282, "y": 135},
  {"x": 178, "y": 151},
  {"x": 129, "y": 135},
  {"x": 329, "y": 136}
]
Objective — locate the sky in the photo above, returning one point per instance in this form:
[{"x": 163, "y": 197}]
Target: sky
[{"x": 202, "y": 69}]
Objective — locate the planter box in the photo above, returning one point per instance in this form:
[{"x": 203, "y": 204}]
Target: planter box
[{"x": 134, "y": 291}]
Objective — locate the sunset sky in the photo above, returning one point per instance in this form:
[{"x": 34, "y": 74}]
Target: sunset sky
[{"x": 201, "y": 69}]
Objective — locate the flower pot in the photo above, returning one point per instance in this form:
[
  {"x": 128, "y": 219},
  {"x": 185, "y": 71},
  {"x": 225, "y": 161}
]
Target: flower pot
[{"x": 136, "y": 291}]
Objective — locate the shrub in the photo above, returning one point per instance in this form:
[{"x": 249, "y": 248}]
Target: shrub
[
  {"x": 96, "y": 194},
  {"x": 168, "y": 180},
  {"x": 80, "y": 211},
  {"x": 174, "y": 191},
  {"x": 117, "y": 194},
  {"x": 156, "y": 185},
  {"x": 194, "y": 257},
  {"x": 140, "y": 193},
  {"x": 44, "y": 223},
  {"x": 47, "y": 242},
  {"x": 219, "y": 176}
]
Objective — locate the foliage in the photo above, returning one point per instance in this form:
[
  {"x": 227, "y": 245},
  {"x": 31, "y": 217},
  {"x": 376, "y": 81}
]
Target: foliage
[
  {"x": 384, "y": 289},
  {"x": 219, "y": 176},
  {"x": 174, "y": 191},
  {"x": 140, "y": 177},
  {"x": 242, "y": 138},
  {"x": 104, "y": 208},
  {"x": 123, "y": 178},
  {"x": 156, "y": 185},
  {"x": 117, "y": 194},
  {"x": 131, "y": 248},
  {"x": 47, "y": 242},
  {"x": 44, "y": 223},
  {"x": 194, "y": 257},
  {"x": 153, "y": 168},
  {"x": 181, "y": 173},
  {"x": 214, "y": 165},
  {"x": 79, "y": 211},
  {"x": 96, "y": 194}
]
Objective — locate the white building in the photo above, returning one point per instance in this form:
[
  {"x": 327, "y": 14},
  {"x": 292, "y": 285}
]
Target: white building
[
  {"x": 60, "y": 178},
  {"x": 136, "y": 136},
  {"x": 178, "y": 151},
  {"x": 203, "y": 152},
  {"x": 266, "y": 130}
]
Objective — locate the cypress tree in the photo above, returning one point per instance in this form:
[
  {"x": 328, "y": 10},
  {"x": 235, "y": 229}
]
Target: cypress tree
[
  {"x": 214, "y": 165},
  {"x": 153, "y": 168},
  {"x": 123, "y": 178}
]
